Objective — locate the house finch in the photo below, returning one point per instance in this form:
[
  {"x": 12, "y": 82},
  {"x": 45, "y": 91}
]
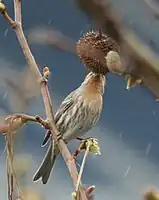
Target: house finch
[{"x": 79, "y": 111}]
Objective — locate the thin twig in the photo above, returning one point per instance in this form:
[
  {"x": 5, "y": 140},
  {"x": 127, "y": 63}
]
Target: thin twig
[
  {"x": 8, "y": 18},
  {"x": 46, "y": 96},
  {"x": 17, "y": 11},
  {"x": 12, "y": 178},
  {"x": 82, "y": 166},
  {"x": 25, "y": 118},
  {"x": 41, "y": 121}
]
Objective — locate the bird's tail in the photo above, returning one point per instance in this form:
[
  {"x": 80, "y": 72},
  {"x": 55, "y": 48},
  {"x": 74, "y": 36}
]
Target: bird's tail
[{"x": 47, "y": 164}]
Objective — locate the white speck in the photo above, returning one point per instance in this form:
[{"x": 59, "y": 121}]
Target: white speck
[
  {"x": 154, "y": 113},
  {"x": 81, "y": 32},
  {"x": 127, "y": 171},
  {"x": 149, "y": 146},
  {"x": 49, "y": 22},
  {"x": 5, "y": 95},
  {"x": 5, "y": 32},
  {"x": 121, "y": 134}
]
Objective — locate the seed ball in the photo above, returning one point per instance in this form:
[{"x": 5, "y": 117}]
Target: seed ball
[{"x": 92, "y": 48}]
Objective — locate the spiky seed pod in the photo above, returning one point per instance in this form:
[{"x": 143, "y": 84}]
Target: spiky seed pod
[{"x": 92, "y": 49}]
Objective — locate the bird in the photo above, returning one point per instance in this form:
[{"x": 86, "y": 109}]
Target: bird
[{"x": 77, "y": 114}]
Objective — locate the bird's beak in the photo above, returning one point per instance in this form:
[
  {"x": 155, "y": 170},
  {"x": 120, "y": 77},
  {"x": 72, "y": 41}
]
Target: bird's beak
[{"x": 132, "y": 81}]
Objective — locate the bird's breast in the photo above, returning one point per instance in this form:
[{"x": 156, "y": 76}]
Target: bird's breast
[
  {"x": 94, "y": 102},
  {"x": 88, "y": 115}
]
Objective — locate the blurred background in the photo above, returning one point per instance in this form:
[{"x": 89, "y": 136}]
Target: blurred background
[{"x": 128, "y": 130}]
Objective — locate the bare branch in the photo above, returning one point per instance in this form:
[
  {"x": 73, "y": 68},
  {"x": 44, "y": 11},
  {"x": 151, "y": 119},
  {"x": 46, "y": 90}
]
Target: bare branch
[
  {"x": 44, "y": 91},
  {"x": 13, "y": 184},
  {"x": 90, "y": 145},
  {"x": 82, "y": 167},
  {"x": 8, "y": 18},
  {"x": 17, "y": 11}
]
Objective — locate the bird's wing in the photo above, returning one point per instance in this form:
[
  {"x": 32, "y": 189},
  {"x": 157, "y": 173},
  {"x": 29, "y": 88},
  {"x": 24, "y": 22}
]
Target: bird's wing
[
  {"x": 65, "y": 105},
  {"x": 60, "y": 116}
]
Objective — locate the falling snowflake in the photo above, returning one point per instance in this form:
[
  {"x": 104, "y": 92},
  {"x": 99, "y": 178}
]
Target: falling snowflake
[
  {"x": 49, "y": 22},
  {"x": 6, "y": 32},
  {"x": 121, "y": 134},
  {"x": 127, "y": 171},
  {"x": 148, "y": 148}
]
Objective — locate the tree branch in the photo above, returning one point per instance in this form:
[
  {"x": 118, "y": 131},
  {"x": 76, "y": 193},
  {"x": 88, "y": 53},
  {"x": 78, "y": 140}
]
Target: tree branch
[
  {"x": 17, "y": 11},
  {"x": 17, "y": 26}
]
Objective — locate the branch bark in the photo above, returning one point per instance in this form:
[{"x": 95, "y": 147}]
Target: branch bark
[{"x": 17, "y": 26}]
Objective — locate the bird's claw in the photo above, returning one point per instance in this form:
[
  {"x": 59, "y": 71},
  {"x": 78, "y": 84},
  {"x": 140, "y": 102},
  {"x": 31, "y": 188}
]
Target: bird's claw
[
  {"x": 59, "y": 136},
  {"x": 76, "y": 153},
  {"x": 91, "y": 143}
]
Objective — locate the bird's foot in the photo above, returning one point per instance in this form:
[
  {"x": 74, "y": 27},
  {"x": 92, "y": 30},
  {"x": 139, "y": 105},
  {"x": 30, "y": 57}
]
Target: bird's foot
[
  {"x": 59, "y": 136},
  {"x": 91, "y": 143},
  {"x": 81, "y": 146}
]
